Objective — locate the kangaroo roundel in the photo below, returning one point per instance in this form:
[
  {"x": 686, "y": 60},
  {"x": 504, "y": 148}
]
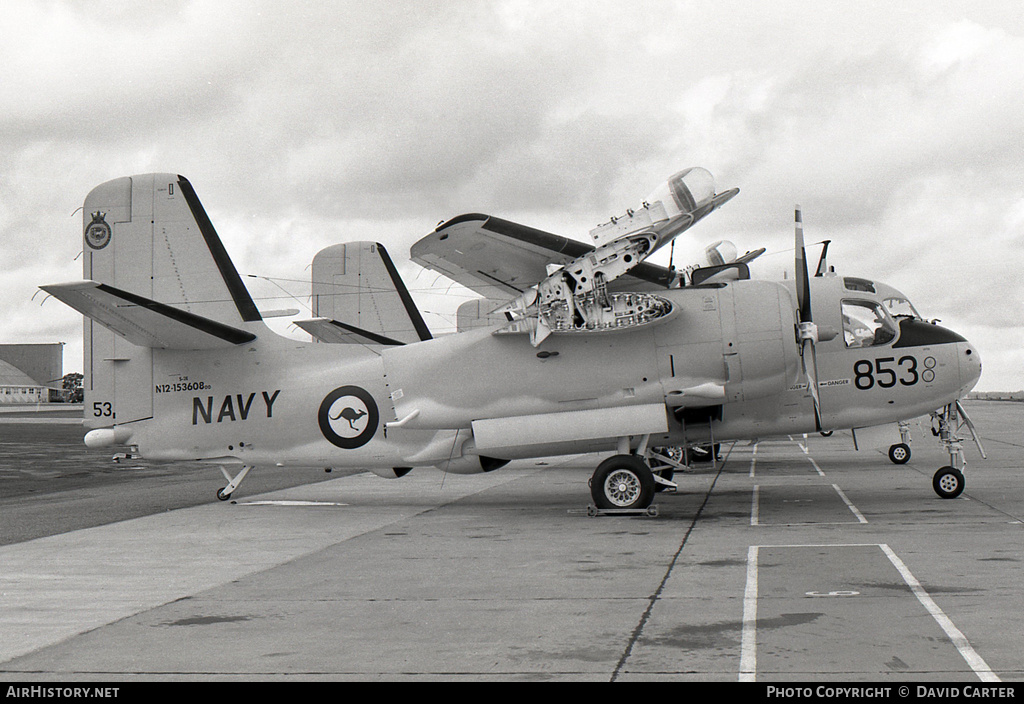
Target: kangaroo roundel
[{"x": 348, "y": 417}]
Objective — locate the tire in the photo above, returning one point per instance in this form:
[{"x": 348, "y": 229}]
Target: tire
[
  {"x": 948, "y": 482},
  {"x": 899, "y": 453},
  {"x": 703, "y": 453},
  {"x": 622, "y": 482}
]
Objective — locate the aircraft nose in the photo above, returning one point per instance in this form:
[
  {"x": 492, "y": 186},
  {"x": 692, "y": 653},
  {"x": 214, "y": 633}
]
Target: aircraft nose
[{"x": 970, "y": 366}]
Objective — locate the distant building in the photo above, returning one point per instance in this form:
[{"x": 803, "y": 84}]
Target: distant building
[{"x": 31, "y": 373}]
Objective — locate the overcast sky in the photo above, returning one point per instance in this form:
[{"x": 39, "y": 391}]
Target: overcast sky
[{"x": 897, "y": 126}]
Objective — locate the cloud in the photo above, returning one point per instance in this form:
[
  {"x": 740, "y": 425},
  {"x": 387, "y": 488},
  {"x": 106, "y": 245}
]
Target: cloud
[{"x": 301, "y": 125}]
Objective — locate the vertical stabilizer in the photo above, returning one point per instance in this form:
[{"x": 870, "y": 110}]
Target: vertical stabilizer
[
  {"x": 358, "y": 285},
  {"x": 149, "y": 236}
]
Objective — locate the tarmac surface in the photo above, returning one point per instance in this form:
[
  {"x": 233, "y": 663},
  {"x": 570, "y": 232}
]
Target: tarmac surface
[{"x": 793, "y": 560}]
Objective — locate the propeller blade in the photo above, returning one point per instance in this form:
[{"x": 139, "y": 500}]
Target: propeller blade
[
  {"x": 808, "y": 330},
  {"x": 811, "y": 375},
  {"x": 803, "y": 284}
]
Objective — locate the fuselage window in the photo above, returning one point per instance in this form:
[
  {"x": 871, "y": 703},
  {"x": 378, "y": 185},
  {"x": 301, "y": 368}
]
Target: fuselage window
[
  {"x": 865, "y": 324},
  {"x": 853, "y": 284}
]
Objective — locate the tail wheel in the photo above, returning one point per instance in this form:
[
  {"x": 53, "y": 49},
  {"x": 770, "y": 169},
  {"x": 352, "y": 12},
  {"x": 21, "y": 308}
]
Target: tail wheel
[
  {"x": 899, "y": 453},
  {"x": 622, "y": 481},
  {"x": 948, "y": 482}
]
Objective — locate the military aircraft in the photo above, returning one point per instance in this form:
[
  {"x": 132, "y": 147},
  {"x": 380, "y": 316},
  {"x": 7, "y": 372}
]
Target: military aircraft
[{"x": 575, "y": 348}]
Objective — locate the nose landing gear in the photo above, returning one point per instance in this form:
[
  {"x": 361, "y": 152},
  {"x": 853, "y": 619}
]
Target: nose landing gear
[{"x": 949, "y": 481}]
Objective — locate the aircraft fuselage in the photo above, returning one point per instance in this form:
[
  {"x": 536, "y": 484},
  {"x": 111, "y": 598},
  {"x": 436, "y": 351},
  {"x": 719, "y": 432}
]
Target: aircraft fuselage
[{"x": 724, "y": 366}]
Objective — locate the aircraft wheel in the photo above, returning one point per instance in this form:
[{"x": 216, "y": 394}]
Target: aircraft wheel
[
  {"x": 825, "y": 433},
  {"x": 703, "y": 453},
  {"x": 222, "y": 496},
  {"x": 948, "y": 482},
  {"x": 675, "y": 453},
  {"x": 899, "y": 453},
  {"x": 622, "y": 481}
]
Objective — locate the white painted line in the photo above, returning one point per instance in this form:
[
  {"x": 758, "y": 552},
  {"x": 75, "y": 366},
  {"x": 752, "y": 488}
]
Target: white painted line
[
  {"x": 748, "y": 643},
  {"x": 753, "y": 461},
  {"x": 289, "y": 503},
  {"x": 755, "y": 512},
  {"x": 849, "y": 504},
  {"x": 980, "y": 667},
  {"x": 815, "y": 465}
]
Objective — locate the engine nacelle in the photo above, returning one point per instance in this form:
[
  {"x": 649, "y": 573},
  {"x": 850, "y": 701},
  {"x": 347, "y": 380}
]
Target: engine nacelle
[
  {"x": 471, "y": 464},
  {"x": 391, "y": 472}
]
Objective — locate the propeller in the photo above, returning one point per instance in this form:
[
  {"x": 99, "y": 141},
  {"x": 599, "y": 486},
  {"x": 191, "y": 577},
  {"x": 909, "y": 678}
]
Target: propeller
[{"x": 807, "y": 331}]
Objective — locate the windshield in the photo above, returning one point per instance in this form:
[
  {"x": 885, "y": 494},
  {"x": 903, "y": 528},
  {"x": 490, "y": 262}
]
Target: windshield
[{"x": 899, "y": 306}]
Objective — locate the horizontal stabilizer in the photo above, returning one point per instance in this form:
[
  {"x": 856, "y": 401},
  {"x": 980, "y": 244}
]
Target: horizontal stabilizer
[
  {"x": 145, "y": 322},
  {"x": 334, "y": 332}
]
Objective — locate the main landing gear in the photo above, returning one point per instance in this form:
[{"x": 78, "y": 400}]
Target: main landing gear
[
  {"x": 623, "y": 482},
  {"x": 948, "y": 481},
  {"x": 628, "y": 481}
]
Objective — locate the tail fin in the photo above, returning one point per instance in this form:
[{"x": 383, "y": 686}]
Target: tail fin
[
  {"x": 360, "y": 294},
  {"x": 149, "y": 240},
  {"x": 150, "y": 235}
]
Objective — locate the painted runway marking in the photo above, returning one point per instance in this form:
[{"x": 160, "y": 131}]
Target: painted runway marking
[
  {"x": 755, "y": 509},
  {"x": 803, "y": 448},
  {"x": 849, "y": 504},
  {"x": 289, "y": 503},
  {"x": 748, "y": 642},
  {"x": 806, "y": 451},
  {"x": 968, "y": 653},
  {"x": 815, "y": 465}
]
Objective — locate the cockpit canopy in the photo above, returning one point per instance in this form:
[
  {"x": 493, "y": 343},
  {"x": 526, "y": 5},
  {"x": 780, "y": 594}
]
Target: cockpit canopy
[{"x": 872, "y": 319}]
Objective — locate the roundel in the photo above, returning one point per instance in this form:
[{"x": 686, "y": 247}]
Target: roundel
[{"x": 348, "y": 417}]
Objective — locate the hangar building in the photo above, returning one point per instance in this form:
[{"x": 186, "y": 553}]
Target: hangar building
[{"x": 31, "y": 373}]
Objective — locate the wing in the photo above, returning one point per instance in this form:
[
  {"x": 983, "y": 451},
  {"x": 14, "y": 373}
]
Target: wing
[
  {"x": 559, "y": 285},
  {"x": 499, "y": 259}
]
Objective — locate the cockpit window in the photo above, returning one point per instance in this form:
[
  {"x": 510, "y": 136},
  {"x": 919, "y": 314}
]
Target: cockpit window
[
  {"x": 900, "y": 307},
  {"x": 853, "y": 284},
  {"x": 865, "y": 324}
]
